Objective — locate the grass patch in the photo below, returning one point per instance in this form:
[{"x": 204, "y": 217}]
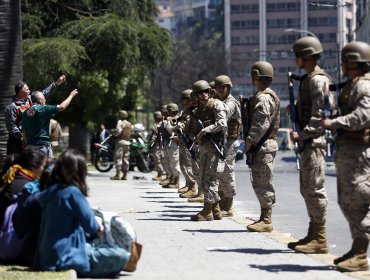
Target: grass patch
[{"x": 16, "y": 272}]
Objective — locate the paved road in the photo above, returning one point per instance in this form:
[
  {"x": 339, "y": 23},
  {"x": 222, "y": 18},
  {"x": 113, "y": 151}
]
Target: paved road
[
  {"x": 290, "y": 214},
  {"x": 176, "y": 248}
]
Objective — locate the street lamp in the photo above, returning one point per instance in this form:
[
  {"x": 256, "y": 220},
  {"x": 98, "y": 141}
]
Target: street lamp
[{"x": 300, "y": 31}]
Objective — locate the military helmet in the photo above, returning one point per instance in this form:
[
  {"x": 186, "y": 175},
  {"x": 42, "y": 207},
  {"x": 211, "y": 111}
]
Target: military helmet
[
  {"x": 186, "y": 93},
  {"x": 172, "y": 107},
  {"x": 158, "y": 114},
  {"x": 356, "y": 52},
  {"x": 164, "y": 109},
  {"x": 262, "y": 69},
  {"x": 200, "y": 86},
  {"x": 212, "y": 84},
  {"x": 307, "y": 46},
  {"x": 123, "y": 114},
  {"x": 223, "y": 80}
]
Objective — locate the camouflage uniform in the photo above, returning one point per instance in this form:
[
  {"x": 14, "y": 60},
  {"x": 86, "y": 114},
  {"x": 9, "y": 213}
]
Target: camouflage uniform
[
  {"x": 264, "y": 105},
  {"x": 312, "y": 156},
  {"x": 227, "y": 178},
  {"x": 352, "y": 157},
  {"x": 122, "y": 146},
  {"x": 213, "y": 116},
  {"x": 154, "y": 143},
  {"x": 173, "y": 151}
]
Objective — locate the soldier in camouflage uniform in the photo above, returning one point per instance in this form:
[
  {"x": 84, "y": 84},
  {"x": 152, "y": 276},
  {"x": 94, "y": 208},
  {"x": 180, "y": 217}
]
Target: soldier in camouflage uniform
[
  {"x": 263, "y": 122},
  {"x": 227, "y": 191},
  {"x": 154, "y": 142},
  {"x": 212, "y": 113},
  {"x": 122, "y": 146},
  {"x": 163, "y": 146},
  {"x": 173, "y": 147},
  {"x": 312, "y": 145},
  {"x": 352, "y": 158},
  {"x": 186, "y": 160}
]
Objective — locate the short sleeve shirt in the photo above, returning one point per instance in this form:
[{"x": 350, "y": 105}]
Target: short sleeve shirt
[{"x": 36, "y": 120}]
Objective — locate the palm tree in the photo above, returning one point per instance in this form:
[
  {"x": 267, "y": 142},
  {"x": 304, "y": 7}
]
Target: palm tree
[{"x": 10, "y": 60}]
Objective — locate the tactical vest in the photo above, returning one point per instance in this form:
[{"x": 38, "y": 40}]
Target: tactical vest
[
  {"x": 191, "y": 127},
  {"x": 126, "y": 132},
  {"x": 234, "y": 124},
  {"x": 207, "y": 116},
  {"x": 253, "y": 103},
  {"x": 304, "y": 104},
  {"x": 346, "y": 136}
]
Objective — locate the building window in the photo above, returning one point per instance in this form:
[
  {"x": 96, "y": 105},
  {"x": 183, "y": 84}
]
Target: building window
[{"x": 244, "y": 9}]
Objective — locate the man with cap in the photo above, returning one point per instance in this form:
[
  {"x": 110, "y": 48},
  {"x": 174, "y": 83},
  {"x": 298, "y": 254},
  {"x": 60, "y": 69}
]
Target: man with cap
[
  {"x": 13, "y": 113},
  {"x": 163, "y": 144},
  {"x": 226, "y": 189},
  {"x": 154, "y": 142},
  {"x": 352, "y": 158},
  {"x": 312, "y": 143},
  {"x": 122, "y": 135},
  {"x": 211, "y": 122}
]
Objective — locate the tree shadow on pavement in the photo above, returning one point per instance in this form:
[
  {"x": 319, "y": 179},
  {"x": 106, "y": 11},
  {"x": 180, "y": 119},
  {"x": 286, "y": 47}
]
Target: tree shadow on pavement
[
  {"x": 176, "y": 216},
  {"x": 291, "y": 267},
  {"x": 257, "y": 251},
  {"x": 159, "y": 192},
  {"x": 154, "y": 197},
  {"x": 167, "y": 220},
  {"x": 183, "y": 206},
  {"x": 165, "y": 201},
  {"x": 214, "y": 230},
  {"x": 177, "y": 211}
]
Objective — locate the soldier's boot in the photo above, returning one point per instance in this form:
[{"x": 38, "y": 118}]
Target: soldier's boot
[
  {"x": 356, "y": 258},
  {"x": 222, "y": 200},
  {"x": 198, "y": 198},
  {"x": 124, "y": 176},
  {"x": 305, "y": 240},
  {"x": 174, "y": 184},
  {"x": 264, "y": 224},
  {"x": 172, "y": 180},
  {"x": 165, "y": 181},
  {"x": 184, "y": 189},
  {"x": 205, "y": 214},
  {"x": 158, "y": 177},
  {"x": 228, "y": 207},
  {"x": 191, "y": 192},
  {"x": 117, "y": 176},
  {"x": 318, "y": 243},
  {"x": 216, "y": 211}
]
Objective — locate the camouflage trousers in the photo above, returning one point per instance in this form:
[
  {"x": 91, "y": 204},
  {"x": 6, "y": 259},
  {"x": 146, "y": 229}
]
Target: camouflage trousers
[
  {"x": 157, "y": 161},
  {"x": 165, "y": 160},
  {"x": 227, "y": 178},
  {"x": 353, "y": 182},
  {"x": 121, "y": 156},
  {"x": 186, "y": 164},
  {"x": 173, "y": 160},
  {"x": 312, "y": 179},
  {"x": 262, "y": 178},
  {"x": 210, "y": 168}
]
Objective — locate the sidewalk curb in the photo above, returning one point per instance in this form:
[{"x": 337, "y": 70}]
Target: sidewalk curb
[{"x": 283, "y": 238}]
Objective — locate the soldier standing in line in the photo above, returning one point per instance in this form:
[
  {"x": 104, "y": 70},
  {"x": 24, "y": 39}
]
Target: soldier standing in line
[
  {"x": 352, "y": 158},
  {"x": 122, "y": 135},
  {"x": 261, "y": 145},
  {"x": 154, "y": 142},
  {"x": 227, "y": 191},
  {"x": 312, "y": 145},
  {"x": 186, "y": 160},
  {"x": 212, "y": 114},
  {"x": 173, "y": 147},
  {"x": 165, "y": 135}
]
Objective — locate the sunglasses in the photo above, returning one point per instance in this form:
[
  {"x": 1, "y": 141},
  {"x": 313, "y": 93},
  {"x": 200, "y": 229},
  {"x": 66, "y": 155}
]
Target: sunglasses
[{"x": 203, "y": 91}]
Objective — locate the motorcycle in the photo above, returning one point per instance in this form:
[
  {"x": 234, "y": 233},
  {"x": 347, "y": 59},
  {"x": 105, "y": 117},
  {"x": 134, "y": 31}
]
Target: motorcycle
[{"x": 139, "y": 155}]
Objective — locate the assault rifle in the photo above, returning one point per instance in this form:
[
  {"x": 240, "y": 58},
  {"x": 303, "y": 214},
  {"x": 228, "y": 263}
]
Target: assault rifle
[
  {"x": 209, "y": 139},
  {"x": 293, "y": 114},
  {"x": 244, "y": 108},
  {"x": 188, "y": 143}
]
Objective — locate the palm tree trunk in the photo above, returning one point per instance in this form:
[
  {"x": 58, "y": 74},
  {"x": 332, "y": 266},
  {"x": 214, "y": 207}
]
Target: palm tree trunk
[{"x": 10, "y": 60}]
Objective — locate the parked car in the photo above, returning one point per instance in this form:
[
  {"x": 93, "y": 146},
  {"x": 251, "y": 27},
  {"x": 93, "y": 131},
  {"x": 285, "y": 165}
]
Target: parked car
[{"x": 284, "y": 140}]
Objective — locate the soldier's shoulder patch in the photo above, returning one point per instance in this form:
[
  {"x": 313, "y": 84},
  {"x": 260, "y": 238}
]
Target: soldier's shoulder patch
[{"x": 31, "y": 112}]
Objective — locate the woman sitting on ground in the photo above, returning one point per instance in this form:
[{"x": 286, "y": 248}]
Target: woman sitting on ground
[{"x": 67, "y": 218}]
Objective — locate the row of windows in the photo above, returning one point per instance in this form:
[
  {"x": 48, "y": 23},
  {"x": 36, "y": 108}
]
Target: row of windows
[
  {"x": 283, "y": 23},
  {"x": 270, "y": 7}
]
